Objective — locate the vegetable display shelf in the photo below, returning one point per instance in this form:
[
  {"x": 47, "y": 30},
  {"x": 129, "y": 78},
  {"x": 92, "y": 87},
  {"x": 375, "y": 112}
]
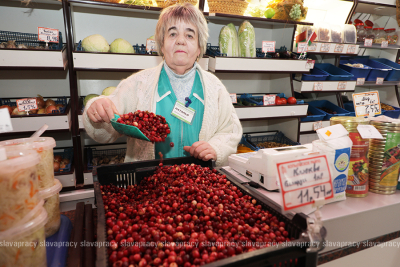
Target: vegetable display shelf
[
  {"x": 115, "y": 6},
  {"x": 379, "y": 46},
  {"x": 33, "y": 59},
  {"x": 299, "y": 251},
  {"x": 333, "y": 48},
  {"x": 251, "y": 65},
  {"x": 308, "y": 127},
  {"x": 118, "y": 62},
  {"x": 271, "y": 112},
  {"x": 324, "y": 86}
]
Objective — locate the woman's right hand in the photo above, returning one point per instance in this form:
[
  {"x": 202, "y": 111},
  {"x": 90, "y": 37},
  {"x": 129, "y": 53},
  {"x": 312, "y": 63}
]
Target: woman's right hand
[{"x": 102, "y": 110}]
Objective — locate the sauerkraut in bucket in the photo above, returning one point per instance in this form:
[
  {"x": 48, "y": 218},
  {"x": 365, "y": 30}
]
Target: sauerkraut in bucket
[
  {"x": 44, "y": 146},
  {"x": 24, "y": 245},
  {"x": 18, "y": 185},
  {"x": 52, "y": 206}
]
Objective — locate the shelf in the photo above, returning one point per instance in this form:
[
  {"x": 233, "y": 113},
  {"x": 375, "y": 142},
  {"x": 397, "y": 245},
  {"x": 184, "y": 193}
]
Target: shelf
[
  {"x": 117, "y": 62},
  {"x": 33, "y": 59},
  {"x": 33, "y": 3},
  {"x": 271, "y": 112},
  {"x": 251, "y": 65},
  {"x": 308, "y": 126},
  {"x": 115, "y": 6},
  {"x": 376, "y": 8},
  {"x": 385, "y": 83},
  {"x": 327, "y": 86},
  {"x": 33, "y": 123},
  {"x": 229, "y": 17},
  {"x": 347, "y": 49},
  {"x": 378, "y": 46}
]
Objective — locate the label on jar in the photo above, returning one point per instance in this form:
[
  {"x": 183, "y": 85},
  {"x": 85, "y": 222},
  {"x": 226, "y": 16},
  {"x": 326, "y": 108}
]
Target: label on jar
[
  {"x": 391, "y": 160},
  {"x": 357, "y": 182}
]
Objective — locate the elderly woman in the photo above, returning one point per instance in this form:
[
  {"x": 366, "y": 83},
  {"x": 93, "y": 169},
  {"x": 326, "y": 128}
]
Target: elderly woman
[{"x": 212, "y": 133}]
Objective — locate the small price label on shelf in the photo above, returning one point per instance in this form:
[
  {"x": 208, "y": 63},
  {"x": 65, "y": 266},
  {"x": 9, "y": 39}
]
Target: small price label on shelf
[
  {"x": 325, "y": 47},
  {"x": 351, "y": 49},
  {"x": 317, "y": 125},
  {"x": 384, "y": 44},
  {"x": 339, "y": 48},
  {"x": 318, "y": 86},
  {"x": 367, "y": 104},
  {"x": 47, "y": 35},
  {"x": 268, "y": 46},
  {"x": 312, "y": 47},
  {"x": 342, "y": 85},
  {"x": 310, "y": 64},
  {"x": 368, "y": 42},
  {"x": 269, "y": 100},
  {"x": 5, "y": 121},
  {"x": 302, "y": 47},
  {"x": 233, "y": 98},
  {"x": 379, "y": 80},
  {"x": 360, "y": 81},
  {"x": 151, "y": 45},
  {"x": 27, "y": 104},
  {"x": 304, "y": 180}
]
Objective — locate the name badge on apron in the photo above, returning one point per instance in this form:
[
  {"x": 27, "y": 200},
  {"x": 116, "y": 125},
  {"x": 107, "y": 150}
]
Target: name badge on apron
[{"x": 183, "y": 113}]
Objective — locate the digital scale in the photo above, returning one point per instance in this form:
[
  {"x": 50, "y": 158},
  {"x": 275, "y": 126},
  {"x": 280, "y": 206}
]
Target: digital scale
[{"x": 260, "y": 166}]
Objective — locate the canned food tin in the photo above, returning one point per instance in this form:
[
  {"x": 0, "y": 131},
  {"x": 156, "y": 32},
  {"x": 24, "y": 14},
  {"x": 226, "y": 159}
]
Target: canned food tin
[
  {"x": 357, "y": 181},
  {"x": 382, "y": 192},
  {"x": 379, "y": 187}
]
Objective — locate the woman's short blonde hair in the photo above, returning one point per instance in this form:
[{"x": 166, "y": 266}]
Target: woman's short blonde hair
[{"x": 189, "y": 14}]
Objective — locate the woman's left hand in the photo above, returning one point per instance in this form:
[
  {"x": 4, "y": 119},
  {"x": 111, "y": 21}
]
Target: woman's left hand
[{"x": 201, "y": 150}]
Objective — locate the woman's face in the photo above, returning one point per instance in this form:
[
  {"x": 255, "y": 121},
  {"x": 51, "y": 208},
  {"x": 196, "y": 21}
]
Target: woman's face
[{"x": 181, "y": 46}]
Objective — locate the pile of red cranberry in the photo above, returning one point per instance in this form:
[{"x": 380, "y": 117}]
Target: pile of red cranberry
[
  {"x": 185, "y": 215},
  {"x": 151, "y": 125}
]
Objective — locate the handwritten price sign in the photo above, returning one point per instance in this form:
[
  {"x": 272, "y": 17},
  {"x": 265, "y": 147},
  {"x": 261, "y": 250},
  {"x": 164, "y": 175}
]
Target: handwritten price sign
[
  {"x": 367, "y": 104},
  {"x": 318, "y": 86},
  {"x": 27, "y": 104},
  {"x": 47, "y": 35},
  {"x": 268, "y": 46},
  {"x": 233, "y": 98},
  {"x": 269, "y": 100},
  {"x": 325, "y": 48},
  {"x": 312, "y": 47},
  {"x": 351, "y": 49},
  {"x": 304, "y": 180},
  {"x": 151, "y": 45},
  {"x": 342, "y": 85},
  {"x": 368, "y": 42},
  {"x": 339, "y": 48},
  {"x": 302, "y": 47}
]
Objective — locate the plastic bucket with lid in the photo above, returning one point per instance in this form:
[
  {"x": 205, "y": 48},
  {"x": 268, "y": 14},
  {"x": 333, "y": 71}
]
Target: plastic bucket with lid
[
  {"x": 52, "y": 206},
  {"x": 18, "y": 185},
  {"x": 44, "y": 146},
  {"x": 24, "y": 245}
]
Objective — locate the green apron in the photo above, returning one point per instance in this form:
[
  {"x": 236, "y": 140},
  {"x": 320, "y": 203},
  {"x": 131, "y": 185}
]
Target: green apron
[{"x": 182, "y": 134}]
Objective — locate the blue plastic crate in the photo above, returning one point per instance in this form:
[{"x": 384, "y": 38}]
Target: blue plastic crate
[
  {"x": 214, "y": 51},
  {"x": 335, "y": 73},
  {"x": 244, "y": 142},
  {"x": 93, "y": 152},
  {"x": 67, "y": 153},
  {"x": 392, "y": 113},
  {"x": 350, "y": 108},
  {"x": 357, "y": 72},
  {"x": 333, "y": 107},
  {"x": 57, "y": 256},
  {"x": 394, "y": 74},
  {"x": 318, "y": 114},
  {"x": 315, "y": 75},
  {"x": 258, "y": 100},
  {"x": 377, "y": 69},
  {"x": 29, "y": 39},
  {"x": 278, "y": 137}
]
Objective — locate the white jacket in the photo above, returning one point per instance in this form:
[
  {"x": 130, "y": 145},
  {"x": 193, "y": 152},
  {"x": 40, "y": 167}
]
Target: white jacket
[{"x": 221, "y": 127}]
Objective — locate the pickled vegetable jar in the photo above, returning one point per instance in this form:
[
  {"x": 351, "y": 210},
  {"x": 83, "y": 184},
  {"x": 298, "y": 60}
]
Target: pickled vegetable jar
[
  {"x": 44, "y": 146},
  {"x": 361, "y": 32},
  {"x": 391, "y": 36},
  {"x": 18, "y": 184},
  {"x": 380, "y": 35}
]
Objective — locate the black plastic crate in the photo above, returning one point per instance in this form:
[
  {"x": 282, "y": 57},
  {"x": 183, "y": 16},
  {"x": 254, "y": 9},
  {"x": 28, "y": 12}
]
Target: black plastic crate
[
  {"x": 65, "y": 153},
  {"x": 29, "y": 39},
  {"x": 278, "y": 137},
  {"x": 295, "y": 253},
  {"x": 109, "y": 153}
]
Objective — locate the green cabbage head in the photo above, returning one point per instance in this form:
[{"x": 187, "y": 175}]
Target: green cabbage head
[
  {"x": 228, "y": 41},
  {"x": 247, "y": 40},
  {"x": 121, "y": 46},
  {"x": 95, "y": 43},
  {"x": 109, "y": 90}
]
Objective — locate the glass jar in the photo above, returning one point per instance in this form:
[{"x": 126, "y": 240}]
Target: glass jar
[
  {"x": 380, "y": 35},
  {"x": 361, "y": 32},
  {"x": 369, "y": 33},
  {"x": 391, "y": 36}
]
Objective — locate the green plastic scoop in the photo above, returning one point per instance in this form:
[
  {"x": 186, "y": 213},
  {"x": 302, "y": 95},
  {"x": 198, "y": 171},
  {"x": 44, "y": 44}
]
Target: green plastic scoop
[{"x": 128, "y": 130}]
